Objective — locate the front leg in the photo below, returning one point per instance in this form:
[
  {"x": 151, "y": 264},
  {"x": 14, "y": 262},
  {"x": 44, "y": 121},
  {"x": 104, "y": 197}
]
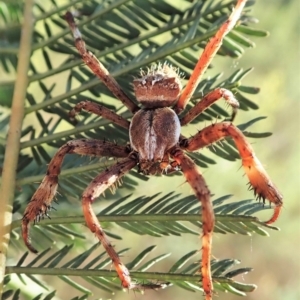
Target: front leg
[
  {"x": 207, "y": 55},
  {"x": 97, "y": 67},
  {"x": 40, "y": 202},
  {"x": 258, "y": 177}
]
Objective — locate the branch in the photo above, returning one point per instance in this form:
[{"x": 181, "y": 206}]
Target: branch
[
  {"x": 128, "y": 218},
  {"x": 13, "y": 139}
]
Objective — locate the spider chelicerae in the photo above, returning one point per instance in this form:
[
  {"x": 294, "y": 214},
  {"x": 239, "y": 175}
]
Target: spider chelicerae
[{"x": 156, "y": 145}]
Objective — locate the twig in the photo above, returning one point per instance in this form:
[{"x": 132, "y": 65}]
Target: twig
[{"x": 13, "y": 137}]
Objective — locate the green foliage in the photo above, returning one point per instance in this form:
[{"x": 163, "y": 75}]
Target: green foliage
[{"x": 125, "y": 36}]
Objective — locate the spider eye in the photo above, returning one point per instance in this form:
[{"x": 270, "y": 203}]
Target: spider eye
[{"x": 160, "y": 87}]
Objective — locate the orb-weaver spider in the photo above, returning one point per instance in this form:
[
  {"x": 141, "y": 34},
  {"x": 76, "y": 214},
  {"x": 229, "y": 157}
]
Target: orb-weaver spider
[{"x": 156, "y": 145}]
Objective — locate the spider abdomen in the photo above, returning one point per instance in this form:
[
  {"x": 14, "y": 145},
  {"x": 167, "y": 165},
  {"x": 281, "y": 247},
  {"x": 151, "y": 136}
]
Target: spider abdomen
[{"x": 154, "y": 131}]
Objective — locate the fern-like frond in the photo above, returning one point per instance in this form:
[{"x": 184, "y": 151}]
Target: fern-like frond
[
  {"x": 183, "y": 273},
  {"x": 162, "y": 216},
  {"x": 156, "y": 216}
]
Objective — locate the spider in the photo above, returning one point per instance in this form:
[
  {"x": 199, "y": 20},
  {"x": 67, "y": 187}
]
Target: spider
[{"x": 156, "y": 146}]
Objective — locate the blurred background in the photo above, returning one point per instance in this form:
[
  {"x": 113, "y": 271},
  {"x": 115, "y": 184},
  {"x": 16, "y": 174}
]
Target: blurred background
[{"x": 276, "y": 259}]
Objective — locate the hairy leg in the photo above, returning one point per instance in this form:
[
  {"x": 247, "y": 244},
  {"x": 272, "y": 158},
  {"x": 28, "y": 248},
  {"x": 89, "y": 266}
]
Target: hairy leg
[
  {"x": 197, "y": 182},
  {"x": 94, "y": 190},
  {"x": 97, "y": 67},
  {"x": 258, "y": 177},
  {"x": 40, "y": 202},
  {"x": 99, "y": 110},
  {"x": 208, "y": 54},
  {"x": 207, "y": 101}
]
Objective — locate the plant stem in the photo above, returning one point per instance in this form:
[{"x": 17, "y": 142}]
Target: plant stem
[
  {"x": 164, "y": 277},
  {"x": 13, "y": 138},
  {"x": 189, "y": 217}
]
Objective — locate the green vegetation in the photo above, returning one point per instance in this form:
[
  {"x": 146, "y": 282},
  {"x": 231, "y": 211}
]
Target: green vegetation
[{"x": 135, "y": 38}]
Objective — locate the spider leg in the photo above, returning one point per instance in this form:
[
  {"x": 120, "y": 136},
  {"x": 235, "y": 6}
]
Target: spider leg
[
  {"x": 258, "y": 177},
  {"x": 95, "y": 188},
  {"x": 99, "y": 110},
  {"x": 97, "y": 67},
  {"x": 207, "y": 101},
  {"x": 207, "y": 55},
  {"x": 40, "y": 202},
  {"x": 197, "y": 182}
]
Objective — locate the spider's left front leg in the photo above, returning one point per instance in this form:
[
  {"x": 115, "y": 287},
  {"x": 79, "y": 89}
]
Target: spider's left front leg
[
  {"x": 258, "y": 177},
  {"x": 197, "y": 182},
  {"x": 97, "y": 67}
]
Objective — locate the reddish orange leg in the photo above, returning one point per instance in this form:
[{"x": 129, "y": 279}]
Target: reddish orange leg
[
  {"x": 207, "y": 55},
  {"x": 40, "y": 202},
  {"x": 258, "y": 177},
  {"x": 197, "y": 182},
  {"x": 103, "y": 181},
  {"x": 94, "y": 190},
  {"x": 99, "y": 110},
  {"x": 207, "y": 101},
  {"x": 97, "y": 67}
]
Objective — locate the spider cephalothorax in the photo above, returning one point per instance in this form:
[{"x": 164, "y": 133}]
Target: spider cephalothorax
[{"x": 156, "y": 146}]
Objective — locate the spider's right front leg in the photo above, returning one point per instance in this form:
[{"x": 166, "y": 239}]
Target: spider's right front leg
[
  {"x": 207, "y": 55},
  {"x": 40, "y": 202}
]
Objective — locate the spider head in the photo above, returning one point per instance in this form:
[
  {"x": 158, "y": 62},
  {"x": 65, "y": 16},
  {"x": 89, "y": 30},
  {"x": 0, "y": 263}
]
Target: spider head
[{"x": 160, "y": 86}]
